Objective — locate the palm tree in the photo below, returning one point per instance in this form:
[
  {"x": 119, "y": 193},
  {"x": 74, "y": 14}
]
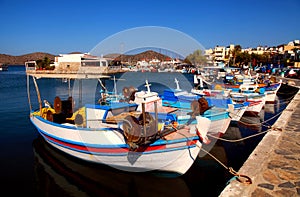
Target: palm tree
[
  {"x": 237, "y": 49},
  {"x": 297, "y": 53}
]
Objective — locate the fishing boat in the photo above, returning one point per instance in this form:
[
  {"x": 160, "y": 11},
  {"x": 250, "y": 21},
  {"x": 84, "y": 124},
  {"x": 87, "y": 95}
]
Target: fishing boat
[
  {"x": 130, "y": 136},
  {"x": 256, "y": 101},
  {"x": 3, "y": 67},
  {"x": 177, "y": 97},
  {"x": 267, "y": 87},
  {"x": 216, "y": 111},
  {"x": 271, "y": 91},
  {"x": 252, "y": 92},
  {"x": 205, "y": 88}
]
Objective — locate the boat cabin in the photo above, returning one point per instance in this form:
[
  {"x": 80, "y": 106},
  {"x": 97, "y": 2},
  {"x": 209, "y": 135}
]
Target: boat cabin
[{"x": 30, "y": 65}]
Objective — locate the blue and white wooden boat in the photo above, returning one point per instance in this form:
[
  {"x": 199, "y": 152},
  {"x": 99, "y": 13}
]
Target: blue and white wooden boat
[
  {"x": 178, "y": 98},
  {"x": 122, "y": 135},
  {"x": 271, "y": 92},
  {"x": 216, "y": 119},
  {"x": 256, "y": 101}
]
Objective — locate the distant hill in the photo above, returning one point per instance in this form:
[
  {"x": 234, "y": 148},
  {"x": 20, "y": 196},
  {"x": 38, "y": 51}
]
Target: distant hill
[
  {"x": 20, "y": 60},
  {"x": 112, "y": 56},
  {"x": 147, "y": 55}
]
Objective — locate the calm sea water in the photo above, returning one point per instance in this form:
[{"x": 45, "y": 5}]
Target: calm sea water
[{"x": 30, "y": 166}]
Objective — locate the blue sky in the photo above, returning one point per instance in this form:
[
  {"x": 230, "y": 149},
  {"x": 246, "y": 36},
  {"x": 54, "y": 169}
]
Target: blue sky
[{"x": 67, "y": 26}]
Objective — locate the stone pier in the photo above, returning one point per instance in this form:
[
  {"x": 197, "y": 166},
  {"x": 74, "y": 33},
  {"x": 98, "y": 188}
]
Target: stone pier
[{"x": 274, "y": 166}]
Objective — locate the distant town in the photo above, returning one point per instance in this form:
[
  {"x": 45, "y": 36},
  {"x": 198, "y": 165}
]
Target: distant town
[{"x": 284, "y": 55}]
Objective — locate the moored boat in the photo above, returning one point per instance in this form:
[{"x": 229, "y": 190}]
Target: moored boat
[
  {"x": 271, "y": 92},
  {"x": 215, "y": 115},
  {"x": 3, "y": 67},
  {"x": 125, "y": 135},
  {"x": 256, "y": 101}
]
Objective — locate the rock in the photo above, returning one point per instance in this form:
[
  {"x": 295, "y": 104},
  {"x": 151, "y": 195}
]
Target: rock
[
  {"x": 260, "y": 192},
  {"x": 269, "y": 176},
  {"x": 284, "y": 192},
  {"x": 287, "y": 185},
  {"x": 285, "y": 175},
  {"x": 266, "y": 185},
  {"x": 276, "y": 164}
]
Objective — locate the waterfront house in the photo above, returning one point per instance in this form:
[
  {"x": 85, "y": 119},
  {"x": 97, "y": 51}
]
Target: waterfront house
[{"x": 80, "y": 61}]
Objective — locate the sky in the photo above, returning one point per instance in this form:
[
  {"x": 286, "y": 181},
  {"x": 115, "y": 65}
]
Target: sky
[{"x": 65, "y": 26}]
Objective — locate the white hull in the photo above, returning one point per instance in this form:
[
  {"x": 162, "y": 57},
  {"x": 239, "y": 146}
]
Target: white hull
[
  {"x": 270, "y": 96},
  {"x": 256, "y": 106},
  {"x": 238, "y": 113},
  {"x": 139, "y": 162},
  {"x": 256, "y": 101},
  {"x": 208, "y": 92},
  {"x": 219, "y": 126},
  {"x": 109, "y": 147}
]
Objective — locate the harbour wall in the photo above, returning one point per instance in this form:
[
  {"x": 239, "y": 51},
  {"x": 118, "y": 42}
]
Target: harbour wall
[{"x": 274, "y": 165}]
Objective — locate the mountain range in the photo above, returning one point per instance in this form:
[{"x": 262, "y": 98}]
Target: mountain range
[
  {"x": 146, "y": 55},
  {"x": 20, "y": 60}
]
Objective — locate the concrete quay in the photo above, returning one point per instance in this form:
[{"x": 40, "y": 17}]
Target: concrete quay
[{"x": 274, "y": 166}]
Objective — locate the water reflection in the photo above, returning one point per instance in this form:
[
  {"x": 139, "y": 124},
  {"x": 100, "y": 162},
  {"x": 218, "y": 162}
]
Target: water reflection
[{"x": 59, "y": 174}]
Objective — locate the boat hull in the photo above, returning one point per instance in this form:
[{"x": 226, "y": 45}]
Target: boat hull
[
  {"x": 255, "y": 107},
  {"x": 271, "y": 93},
  {"x": 238, "y": 113},
  {"x": 108, "y": 146}
]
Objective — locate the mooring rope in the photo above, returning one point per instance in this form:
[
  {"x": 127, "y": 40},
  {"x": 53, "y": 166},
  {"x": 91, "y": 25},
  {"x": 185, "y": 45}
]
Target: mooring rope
[
  {"x": 241, "y": 139},
  {"x": 239, "y": 177},
  {"x": 270, "y": 128},
  {"x": 247, "y": 180},
  {"x": 257, "y": 124}
]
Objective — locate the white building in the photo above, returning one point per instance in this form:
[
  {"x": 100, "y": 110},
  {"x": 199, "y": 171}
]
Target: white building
[
  {"x": 219, "y": 54},
  {"x": 80, "y": 61}
]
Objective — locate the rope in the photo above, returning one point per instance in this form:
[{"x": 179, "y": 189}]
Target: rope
[
  {"x": 238, "y": 176},
  {"x": 238, "y": 140},
  {"x": 270, "y": 128},
  {"x": 257, "y": 124}
]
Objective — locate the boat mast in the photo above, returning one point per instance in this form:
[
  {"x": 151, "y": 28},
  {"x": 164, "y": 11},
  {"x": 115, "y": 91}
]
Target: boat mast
[
  {"x": 177, "y": 84},
  {"x": 69, "y": 87},
  {"x": 28, "y": 94},
  {"x": 38, "y": 94}
]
